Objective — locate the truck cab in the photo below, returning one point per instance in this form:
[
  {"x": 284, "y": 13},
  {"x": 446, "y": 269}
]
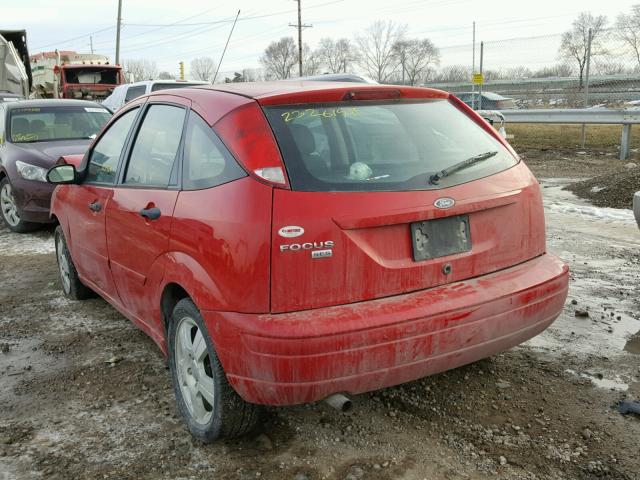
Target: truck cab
[{"x": 68, "y": 74}]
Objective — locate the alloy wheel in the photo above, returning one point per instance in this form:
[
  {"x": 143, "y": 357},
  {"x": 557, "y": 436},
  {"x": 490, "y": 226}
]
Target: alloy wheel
[
  {"x": 193, "y": 367},
  {"x": 8, "y": 206},
  {"x": 63, "y": 265}
]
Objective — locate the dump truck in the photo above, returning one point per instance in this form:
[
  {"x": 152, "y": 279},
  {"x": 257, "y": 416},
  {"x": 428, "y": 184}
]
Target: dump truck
[
  {"x": 68, "y": 74},
  {"x": 15, "y": 70}
]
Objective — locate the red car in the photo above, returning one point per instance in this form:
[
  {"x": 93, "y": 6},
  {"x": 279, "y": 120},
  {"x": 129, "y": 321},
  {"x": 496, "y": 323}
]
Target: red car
[{"x": 286, "y": 242}]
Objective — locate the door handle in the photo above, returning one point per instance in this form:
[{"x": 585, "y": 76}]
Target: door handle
[
  {"x": 150, "y": 213},
  {"x": 95, "y": 206}
]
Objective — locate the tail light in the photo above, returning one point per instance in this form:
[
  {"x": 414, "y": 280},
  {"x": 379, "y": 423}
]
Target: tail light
[{"x": 247, "y": 134}]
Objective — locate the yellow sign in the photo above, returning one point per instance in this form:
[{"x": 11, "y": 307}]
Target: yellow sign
[{"x": 478, "y": 79}]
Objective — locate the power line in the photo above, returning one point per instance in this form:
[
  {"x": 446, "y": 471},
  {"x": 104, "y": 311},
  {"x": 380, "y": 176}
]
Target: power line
[{"x": 74, "y": 38}]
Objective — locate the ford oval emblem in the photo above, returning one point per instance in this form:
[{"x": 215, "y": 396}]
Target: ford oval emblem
[
  {"x": 291, "y": 231},
  {"x": 444, "y": 202}
]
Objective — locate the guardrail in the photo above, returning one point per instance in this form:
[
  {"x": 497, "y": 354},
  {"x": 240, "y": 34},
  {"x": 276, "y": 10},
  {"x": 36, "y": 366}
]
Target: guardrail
[{"x": 596, "y": 116}]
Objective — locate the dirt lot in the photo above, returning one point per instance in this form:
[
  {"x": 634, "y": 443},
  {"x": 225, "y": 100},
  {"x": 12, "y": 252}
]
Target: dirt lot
[{"x": 84, "y": 394}]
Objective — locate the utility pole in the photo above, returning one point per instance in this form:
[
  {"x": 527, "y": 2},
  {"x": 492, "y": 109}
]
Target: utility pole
[
  {"x": 300, "y": 26},
  {"x": 473, "y": 69},
  {"x": 481, "y": 73},
  {"x": 118, "y": 32},
  {"x": 91, "y": 43}
]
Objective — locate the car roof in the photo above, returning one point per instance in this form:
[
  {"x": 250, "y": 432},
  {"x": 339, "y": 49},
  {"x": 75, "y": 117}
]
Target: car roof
[
  {"x": 51, "y": 103},
  {"x": 262, "y": 91}
]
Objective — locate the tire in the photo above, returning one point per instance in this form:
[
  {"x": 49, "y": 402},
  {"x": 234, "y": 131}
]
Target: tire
[
  {"x": 71, "y": 285},
  {"x": 9, "y": 210},
  {"x": 209, "y": 406}
]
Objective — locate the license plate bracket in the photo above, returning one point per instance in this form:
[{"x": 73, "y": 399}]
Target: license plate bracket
[{"x": 440, "y": 237}]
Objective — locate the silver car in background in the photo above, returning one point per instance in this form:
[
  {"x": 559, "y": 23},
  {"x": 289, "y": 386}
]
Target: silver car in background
[{"x": 636, "y": 207}]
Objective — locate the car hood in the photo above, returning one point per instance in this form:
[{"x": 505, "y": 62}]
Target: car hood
[{"x": 46, "y": 154}]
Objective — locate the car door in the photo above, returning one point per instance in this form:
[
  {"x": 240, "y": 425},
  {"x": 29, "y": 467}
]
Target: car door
[
  {"x": 140, "y": 212},
  {"x": 88, "y": 201}
]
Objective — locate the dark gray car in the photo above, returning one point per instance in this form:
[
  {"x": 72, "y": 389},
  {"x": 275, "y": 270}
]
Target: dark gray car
[{"x": 34, "y": 134}]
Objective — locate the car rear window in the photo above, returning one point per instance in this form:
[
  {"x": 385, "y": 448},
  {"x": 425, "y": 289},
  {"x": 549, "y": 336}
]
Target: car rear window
[
  {"x": 44, "y": 124},
  {"x": 390, "y": 146}
]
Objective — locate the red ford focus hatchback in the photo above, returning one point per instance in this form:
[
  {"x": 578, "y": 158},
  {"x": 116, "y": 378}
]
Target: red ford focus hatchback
[{"x": 289, "y": 242}]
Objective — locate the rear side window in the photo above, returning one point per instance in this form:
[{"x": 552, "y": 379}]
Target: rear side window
[
  {"x": 134, "y": 92},
  {"x": 390, "y": 146},
  {"x": 103, "y": 163},
  {"x": 156, "y": 146},
  {"x": 206, "y": 161}
]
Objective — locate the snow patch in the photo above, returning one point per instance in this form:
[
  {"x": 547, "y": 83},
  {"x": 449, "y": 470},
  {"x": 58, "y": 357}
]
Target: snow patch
[{"x": 26, "y": 243}]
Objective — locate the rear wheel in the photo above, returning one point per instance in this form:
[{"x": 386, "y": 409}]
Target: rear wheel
[
  {"x": 210, "y": 407},
  {"x": 71, "y": 284},
  {"x": 9, "y": 209}
]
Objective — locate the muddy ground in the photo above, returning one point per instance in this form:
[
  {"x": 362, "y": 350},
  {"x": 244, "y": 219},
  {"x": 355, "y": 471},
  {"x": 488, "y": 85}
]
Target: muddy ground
[{"x": 84, "y": 394}]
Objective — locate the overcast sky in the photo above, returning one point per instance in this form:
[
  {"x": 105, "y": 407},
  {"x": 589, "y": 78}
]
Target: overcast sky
[{"x": 170, "y": 31}]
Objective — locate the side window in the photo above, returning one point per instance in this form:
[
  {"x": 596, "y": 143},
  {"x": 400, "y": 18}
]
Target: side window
[
  {"x": 207, "y": 162},
  {"x": 106, "y": 153},
  {"x": 134, "y": 92},
  {"x": 156, "y": 146}
]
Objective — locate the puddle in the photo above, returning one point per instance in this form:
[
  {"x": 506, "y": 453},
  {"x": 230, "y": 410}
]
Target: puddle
[
  {"x": 600, "y": 381},
  {"x": 633, "y": 344},
  {"x": 571, "y": 213}
]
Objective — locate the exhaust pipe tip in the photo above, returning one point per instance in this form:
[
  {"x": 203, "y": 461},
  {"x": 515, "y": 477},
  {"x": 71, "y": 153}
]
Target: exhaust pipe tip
[{"x": 340, "y": 402}]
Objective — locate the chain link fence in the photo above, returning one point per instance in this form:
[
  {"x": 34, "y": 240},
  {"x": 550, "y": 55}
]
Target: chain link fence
[{"x": 538, "y": 74}]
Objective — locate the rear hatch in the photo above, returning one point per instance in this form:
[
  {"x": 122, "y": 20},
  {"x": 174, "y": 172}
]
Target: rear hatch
[{"x": 375, "y": 208}]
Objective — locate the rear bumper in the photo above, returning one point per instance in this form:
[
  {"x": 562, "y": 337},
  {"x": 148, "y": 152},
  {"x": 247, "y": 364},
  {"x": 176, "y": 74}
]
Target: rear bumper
[{"x": 305, "y": 356}]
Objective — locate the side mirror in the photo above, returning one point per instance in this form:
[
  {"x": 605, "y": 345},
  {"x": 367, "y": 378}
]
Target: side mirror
[{"x": 62, "y": 174}]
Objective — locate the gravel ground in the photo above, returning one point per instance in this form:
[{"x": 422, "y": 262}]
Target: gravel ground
[
  {"x": 84, "y": 394},
  {"x": 614, "y": 189}
]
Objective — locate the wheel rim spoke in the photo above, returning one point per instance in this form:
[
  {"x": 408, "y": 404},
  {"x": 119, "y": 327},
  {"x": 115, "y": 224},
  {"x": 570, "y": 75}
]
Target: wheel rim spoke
[
  {"x": 205, "y": 388},
  {"x": 199, "y": 347}
]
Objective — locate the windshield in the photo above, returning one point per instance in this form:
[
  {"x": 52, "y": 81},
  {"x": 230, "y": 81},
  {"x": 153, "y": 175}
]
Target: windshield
[
  {"x": 363, "y": 146},
  {"x": 43, "y": 124},
  {"x": 95, "y": 75}
]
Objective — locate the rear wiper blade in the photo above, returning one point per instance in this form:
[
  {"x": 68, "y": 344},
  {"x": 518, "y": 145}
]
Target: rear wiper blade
[{"x": 436, "y": 177}]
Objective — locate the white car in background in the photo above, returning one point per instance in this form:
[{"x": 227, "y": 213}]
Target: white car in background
[{"x": 123, "y": 94}]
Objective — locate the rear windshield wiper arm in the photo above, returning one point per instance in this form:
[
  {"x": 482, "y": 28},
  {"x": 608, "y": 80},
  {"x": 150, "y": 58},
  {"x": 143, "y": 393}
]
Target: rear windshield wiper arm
[{"x": 436, "y": 177}]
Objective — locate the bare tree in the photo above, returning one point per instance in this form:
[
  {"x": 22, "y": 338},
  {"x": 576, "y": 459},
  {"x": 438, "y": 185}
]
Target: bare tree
[
  {"x": 311, "y": 61},
  {"x": 375, "y": 49},
  {"x": 166, "y": 76},
  {"x": 558, "y": 70},
  {"x": 415, "y": 58},
  {"x": 141, "y": 69},
  {"x": 251, "y": 74},
  {"x": 203, "y": 68},
  {"x": 628, "y": 30},
  {"x": 336, "y": 55},
  {"x": 453, "y": 73},
  {"x": 279, "y": 58},
  {"x": 517, "y": 73},
  {"x": 575, "y": 42}
]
